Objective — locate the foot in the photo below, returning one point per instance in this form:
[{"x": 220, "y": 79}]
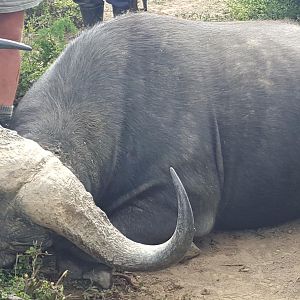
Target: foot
[
  {"x": 97, "y": 273},
  {"x": 119, "y": 11},
  {"x": 91, "y": 15},
  {"x": 5, "y": 115}
]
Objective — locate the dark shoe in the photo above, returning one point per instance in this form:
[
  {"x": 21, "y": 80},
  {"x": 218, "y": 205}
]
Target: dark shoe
[
  {"x": 145, "y": 6},
  {"x": 119, "y": 11},
  {"x": 91, "y": 15},
  {"x": 5, "y": 115},
  {"x": 133, "y": 6}
]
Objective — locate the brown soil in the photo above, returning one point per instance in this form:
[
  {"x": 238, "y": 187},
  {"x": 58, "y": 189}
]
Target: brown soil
[
  {"x": 191, "y": 9},
  {"x": 258, "y": 265},
  {"x": 262, "y": 264}
]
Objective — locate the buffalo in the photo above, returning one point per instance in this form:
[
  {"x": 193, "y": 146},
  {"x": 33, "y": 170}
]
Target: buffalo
[{"x": 127, "y": 99}]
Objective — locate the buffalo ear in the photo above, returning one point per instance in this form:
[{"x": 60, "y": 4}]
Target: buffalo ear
[{"x": 8, "y": 44}]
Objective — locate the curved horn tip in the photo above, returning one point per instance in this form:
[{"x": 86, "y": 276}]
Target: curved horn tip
[
  {"x": 174, "y": 174},
  {"x": 183, "y": 199}
]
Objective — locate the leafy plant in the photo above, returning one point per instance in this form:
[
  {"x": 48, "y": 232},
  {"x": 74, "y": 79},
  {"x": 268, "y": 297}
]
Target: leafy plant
[
  {"x": 48, "y": 28},
  {"x": 26, "y": 282},
  {"x": 264, "y": 9}
]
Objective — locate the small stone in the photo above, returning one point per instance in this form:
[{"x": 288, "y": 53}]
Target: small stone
[
  {"x": 244, "y": 269},
  {"x": 13, "y": 297},
  {"x": 205, "y": 292}
]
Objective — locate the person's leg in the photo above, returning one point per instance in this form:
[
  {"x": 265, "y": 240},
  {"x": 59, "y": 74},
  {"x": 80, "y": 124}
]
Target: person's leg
[
  {"x": 117, "y": 11},
  {"x": 91, "y": 11},
  {"x": 123, "y": 6},
  {"x": 120, "y": 6},
  {"x": 11, "y": 27}
]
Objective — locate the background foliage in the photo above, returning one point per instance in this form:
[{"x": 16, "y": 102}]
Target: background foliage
[
  {"x": 264, "y": 9},
  {"x": 48, "y": 27}
]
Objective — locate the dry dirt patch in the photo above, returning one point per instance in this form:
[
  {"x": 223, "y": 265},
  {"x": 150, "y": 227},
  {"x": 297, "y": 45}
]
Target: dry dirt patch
[
  {"x": 252, "y": 264},
  {"x": 259, "y": 264},
  {"x": 191, "y": 9}
]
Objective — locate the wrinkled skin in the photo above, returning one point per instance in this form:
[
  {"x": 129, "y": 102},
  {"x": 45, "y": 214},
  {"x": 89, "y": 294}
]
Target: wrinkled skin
[
  {"x": 17, "y": 233},
  {"x": 218, "y": 101}
]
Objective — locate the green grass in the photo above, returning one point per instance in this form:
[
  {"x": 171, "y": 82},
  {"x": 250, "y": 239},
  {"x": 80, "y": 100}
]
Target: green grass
[
  {"x": 48, "y": 28},
  {"x": 25, "y": 280},
  {"x": 264, "y": 9}
]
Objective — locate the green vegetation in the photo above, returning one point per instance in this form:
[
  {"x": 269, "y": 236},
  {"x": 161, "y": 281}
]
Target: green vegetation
[
  {"x": 26, "y": 282},
  {"x": 48, "y": 27},
  {"x": 264, "y": 9}
]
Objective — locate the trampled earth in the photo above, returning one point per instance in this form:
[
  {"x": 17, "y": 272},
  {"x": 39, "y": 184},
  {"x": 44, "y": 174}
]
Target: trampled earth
[
  {"x": 250, "y": 264},
  {"x": 260, "y": 264}
]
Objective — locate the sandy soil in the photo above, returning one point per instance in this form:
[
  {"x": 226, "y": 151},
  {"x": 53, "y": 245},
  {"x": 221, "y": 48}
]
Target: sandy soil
[
  {"x": 257, "y": 264},
  {"x": 188, "y": 9},
  {"x": 191, "y": 9},
  {"x": 253, "y": 264},
  {"x": 260, "y": 264}
]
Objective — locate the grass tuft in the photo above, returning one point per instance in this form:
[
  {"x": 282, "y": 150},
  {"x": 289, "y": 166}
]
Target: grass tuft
[
  {"x": 26, "y": 282},
  {"x": 264, "y": 9}
]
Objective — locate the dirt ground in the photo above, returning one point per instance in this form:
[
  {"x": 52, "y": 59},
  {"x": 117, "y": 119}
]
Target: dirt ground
[
  {"x": 258, "y": 264},
  {"x": 188, "y": 9},
  {"x": 191, "y": 9},
  {"x": 253, "y": 264}
]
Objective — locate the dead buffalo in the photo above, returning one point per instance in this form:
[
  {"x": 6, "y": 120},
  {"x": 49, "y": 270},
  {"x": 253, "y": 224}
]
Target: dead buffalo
[{"x": 128, "y": 99}]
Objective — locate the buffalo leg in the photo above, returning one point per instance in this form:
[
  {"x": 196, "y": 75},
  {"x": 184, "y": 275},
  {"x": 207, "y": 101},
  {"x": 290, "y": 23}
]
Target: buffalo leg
[
  {"x": 148, "y": 220},
  {"x": 80, "y": 265},
  {"x": 151, "y": 218}
]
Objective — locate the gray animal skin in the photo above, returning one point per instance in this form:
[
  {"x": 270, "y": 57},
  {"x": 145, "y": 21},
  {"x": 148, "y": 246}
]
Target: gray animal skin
[{"x": 220, "y": 102}]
